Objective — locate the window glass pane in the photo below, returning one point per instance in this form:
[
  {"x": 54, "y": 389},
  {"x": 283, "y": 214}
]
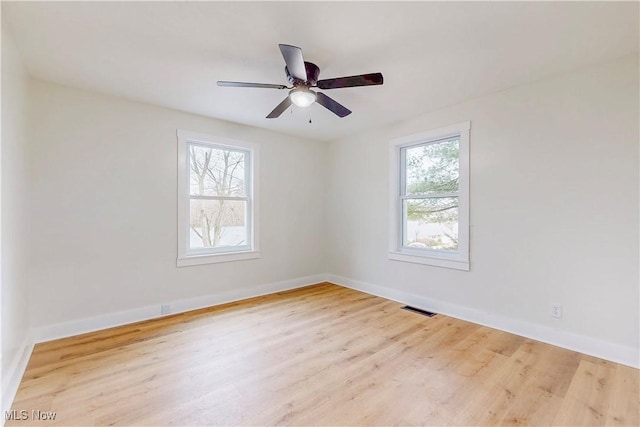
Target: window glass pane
[
  {"x": 431, "y": 223},
  {"x": 216, "y": 172},
  {"x": 216, "y": 223},
  {"x": 432, "y": 168}
]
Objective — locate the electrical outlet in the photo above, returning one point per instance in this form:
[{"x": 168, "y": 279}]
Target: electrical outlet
[
  {"x": 556, "y": 311},
  {"x": 165, "y": 309}
]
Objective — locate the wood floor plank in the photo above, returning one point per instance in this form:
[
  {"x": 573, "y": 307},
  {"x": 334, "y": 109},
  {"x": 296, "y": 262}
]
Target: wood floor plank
[
  {"x": 320, "y": 355},
  {"x": 624, "y": 399}
]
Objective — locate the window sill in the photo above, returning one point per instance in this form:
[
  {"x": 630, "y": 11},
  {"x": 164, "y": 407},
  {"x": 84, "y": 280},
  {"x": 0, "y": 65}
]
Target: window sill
[
  {"x": 427, "y": 260},
  {"x": 216, "y": 258}
]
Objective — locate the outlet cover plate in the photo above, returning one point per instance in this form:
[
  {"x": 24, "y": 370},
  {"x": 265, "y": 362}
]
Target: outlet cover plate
[{"x": 556, "y": 311}]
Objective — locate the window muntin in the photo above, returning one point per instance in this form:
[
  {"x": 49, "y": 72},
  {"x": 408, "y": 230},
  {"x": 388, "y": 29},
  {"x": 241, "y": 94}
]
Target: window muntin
[
  {"x": 219, "y": 207},
  {"x": 429, "y": 194}
]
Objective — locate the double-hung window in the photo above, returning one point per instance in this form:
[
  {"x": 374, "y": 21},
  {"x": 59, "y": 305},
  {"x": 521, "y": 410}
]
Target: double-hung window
[
  {"x": 217, "y": 199},
  {"x": 430, "y": 197}
]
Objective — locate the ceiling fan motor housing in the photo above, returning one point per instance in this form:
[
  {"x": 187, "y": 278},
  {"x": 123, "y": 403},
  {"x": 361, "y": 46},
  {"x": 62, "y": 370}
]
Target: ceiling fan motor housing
[{"x": 313, "y": 71}]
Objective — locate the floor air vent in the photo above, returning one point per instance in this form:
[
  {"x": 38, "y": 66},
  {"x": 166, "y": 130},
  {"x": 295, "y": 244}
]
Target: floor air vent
[{"x": 417, "y": 310}]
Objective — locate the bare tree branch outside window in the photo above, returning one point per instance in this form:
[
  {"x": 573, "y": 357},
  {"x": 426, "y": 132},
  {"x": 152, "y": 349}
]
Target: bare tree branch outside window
[{"x": 216, "y": 177}]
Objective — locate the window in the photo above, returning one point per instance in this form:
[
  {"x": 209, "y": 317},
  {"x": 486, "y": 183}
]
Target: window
[
  {"x": 217, "y": 199},
  {"x": 430, "y": 197}
]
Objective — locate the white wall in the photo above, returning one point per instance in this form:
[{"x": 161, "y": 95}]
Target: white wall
[
  {"x": 554, "y": 209},
  {"x": 14, "y": 292},
  {"x": 103, "y": 207}
]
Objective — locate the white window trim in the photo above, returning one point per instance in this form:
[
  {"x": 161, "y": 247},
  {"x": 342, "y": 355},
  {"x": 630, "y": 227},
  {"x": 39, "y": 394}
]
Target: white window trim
[
  {"x": 460, "y": 259},
  {"x": 187, "y": 257}
]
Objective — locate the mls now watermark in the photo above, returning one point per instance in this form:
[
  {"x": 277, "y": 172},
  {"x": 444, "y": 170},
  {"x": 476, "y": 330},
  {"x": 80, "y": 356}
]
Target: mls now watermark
[{"x": 24, "y": 415}]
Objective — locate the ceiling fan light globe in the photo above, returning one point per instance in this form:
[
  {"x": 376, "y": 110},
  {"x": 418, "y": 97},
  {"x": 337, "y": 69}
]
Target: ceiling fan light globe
[{"x": 302, "y": 98}]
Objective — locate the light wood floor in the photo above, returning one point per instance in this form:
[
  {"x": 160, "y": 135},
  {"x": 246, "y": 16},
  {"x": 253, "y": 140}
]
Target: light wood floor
[{"x": 321, "y": 355}]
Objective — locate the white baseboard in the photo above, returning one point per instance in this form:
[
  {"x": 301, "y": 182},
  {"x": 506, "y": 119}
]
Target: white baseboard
[
  {"x": 109, "y": 320},
  {"x": 11, "y": 379},
  {"x": 592, "y": 346}
]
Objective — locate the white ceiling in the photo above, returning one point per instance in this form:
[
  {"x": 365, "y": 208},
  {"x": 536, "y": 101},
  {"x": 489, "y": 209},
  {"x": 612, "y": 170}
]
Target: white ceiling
[{"x": 432, "y": 54}]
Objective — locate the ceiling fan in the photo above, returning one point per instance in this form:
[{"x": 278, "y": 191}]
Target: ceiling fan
[{"x": 303, "y": 76}]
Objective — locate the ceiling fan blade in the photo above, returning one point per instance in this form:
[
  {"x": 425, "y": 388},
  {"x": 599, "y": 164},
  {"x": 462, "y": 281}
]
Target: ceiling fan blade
[
  {"x": 332, "y": 105},
  {"x": 295, "y": 62},
  {"x": 256, "y": 85},
  {"x": 351, "y": 81},
  {"x": 286, "y": 103}
]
